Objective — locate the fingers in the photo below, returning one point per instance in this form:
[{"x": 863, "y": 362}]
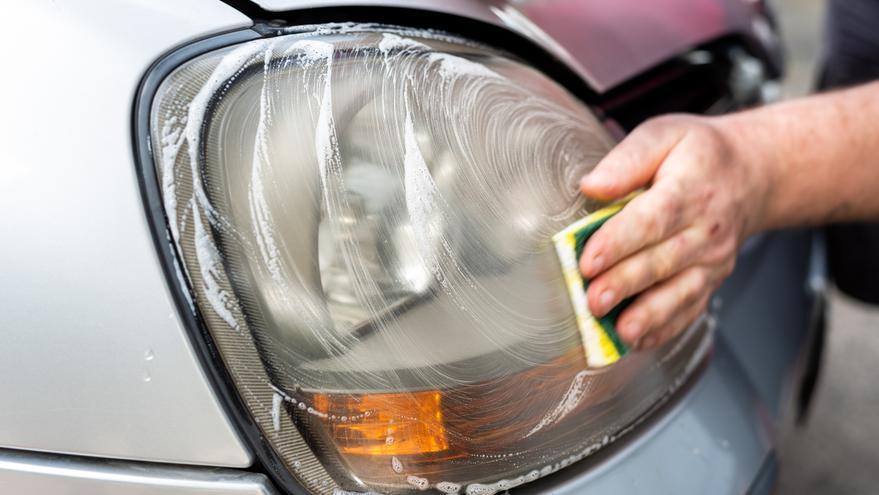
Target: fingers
[
  {"x": 649, "y": 218},
  {"x": 678, "y": 324},
  {"x": 644, "y": 269},
  {"x": 677, "y": 240},
  {"x": 661, "y": 304},
  {"x": 633, "y": 162}
]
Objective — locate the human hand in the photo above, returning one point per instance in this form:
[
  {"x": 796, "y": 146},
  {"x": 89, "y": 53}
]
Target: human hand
[{"x": 676, "y": 242}]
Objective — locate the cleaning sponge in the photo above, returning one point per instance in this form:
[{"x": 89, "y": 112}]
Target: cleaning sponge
[{"x": 601, "y": 342}]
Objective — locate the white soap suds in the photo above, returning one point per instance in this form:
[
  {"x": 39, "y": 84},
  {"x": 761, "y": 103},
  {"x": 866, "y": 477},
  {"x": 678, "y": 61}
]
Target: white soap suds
[
  {"x": 211, "y": 267},
  {"x": 172, "y": 140},
  {"x": 480, "y": 489},
  {"x": 259, "y": 210},
  {"x": 311, "y": 50},
  {"x": 172, "y": 137},
  {"x": 418, "y": 482},
  {"x": 448, "y": 487},
  {"x": 230, "y": 65},
  {"x": 580, "y": 387},
  {"x": 451, "y": 66},
  {"x": 302, "y": 406},
  {"x": 325, "y": 141},
  {"x": 277, "y": 400},
  {"x": 393, "y": 42},
  {"x": 420, "y": 189},
  {"x": 396, "y": 465}
]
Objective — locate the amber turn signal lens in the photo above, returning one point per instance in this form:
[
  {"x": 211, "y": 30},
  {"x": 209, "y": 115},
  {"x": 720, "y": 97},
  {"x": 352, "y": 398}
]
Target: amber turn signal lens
[{"x": 385, "y": 424}]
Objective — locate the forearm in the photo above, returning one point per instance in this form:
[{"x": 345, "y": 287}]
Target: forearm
[{"x": 818, "y": 157}]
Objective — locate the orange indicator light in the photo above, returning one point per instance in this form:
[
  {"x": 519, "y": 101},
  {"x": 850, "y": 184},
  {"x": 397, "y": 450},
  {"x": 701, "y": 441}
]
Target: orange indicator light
[{"x": 385, "y": 424}]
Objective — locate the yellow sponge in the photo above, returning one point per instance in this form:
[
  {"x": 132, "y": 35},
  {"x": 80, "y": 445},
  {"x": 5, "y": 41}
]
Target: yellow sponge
[{"x": 601, "y": 342}]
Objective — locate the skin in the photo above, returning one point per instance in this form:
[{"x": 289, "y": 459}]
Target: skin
[{"x": 714, "y": 181}]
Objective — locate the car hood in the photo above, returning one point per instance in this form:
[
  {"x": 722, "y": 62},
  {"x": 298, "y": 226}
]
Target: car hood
[{"x": 604, "y": 42}]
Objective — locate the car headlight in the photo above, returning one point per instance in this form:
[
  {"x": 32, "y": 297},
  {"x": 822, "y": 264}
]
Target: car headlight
[{"x": 364, "y": 219}]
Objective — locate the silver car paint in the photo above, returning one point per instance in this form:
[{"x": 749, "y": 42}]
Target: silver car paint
[
  {"x": 94, "y": 360},
  {"x": 714, "y": 441},
  {"x": 37, "y": 474}
]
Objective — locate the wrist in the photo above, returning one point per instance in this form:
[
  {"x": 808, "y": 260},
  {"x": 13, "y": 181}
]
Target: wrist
[{"x": 755, "y": 168}]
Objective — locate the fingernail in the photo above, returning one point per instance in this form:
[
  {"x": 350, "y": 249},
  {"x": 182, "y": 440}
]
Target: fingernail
[
  {"x": 597, "y": 264},
  {"x": 606, "y": 300},
  {"x": 596, "y": 179},
  {"x": 648, "y": 342},
  {"x": 633, "y": 330}
]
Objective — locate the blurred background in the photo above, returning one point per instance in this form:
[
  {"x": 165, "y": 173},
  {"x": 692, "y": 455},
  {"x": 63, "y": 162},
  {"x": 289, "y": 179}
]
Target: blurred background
[{"x": 837, "y": 450}]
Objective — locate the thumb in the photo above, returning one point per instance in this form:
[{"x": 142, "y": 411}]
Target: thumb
[{"x": 633, "y": 162}]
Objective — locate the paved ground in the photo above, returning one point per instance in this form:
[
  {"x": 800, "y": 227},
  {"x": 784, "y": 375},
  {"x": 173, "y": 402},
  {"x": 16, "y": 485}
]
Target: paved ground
[{"x": 837, "y": 453}]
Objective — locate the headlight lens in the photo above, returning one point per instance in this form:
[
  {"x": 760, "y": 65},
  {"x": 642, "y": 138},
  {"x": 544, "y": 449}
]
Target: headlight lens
[{"x": 364, "y": 217}]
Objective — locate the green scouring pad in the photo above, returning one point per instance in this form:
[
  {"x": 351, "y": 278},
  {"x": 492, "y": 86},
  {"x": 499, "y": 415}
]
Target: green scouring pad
[{"x": 601, "y": 342}]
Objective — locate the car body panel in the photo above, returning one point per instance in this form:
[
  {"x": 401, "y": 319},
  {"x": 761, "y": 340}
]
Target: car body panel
[
  {"x": 35, "y": 473},
  {"x": 604, "y": 42},
  {"x": 714, "y": 441},
  {"x": 769, "y": 347},
  {"x": 94, "y": 358}
]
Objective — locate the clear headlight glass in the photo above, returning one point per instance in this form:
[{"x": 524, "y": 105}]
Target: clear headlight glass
[{"x": 364, "y": 218}]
